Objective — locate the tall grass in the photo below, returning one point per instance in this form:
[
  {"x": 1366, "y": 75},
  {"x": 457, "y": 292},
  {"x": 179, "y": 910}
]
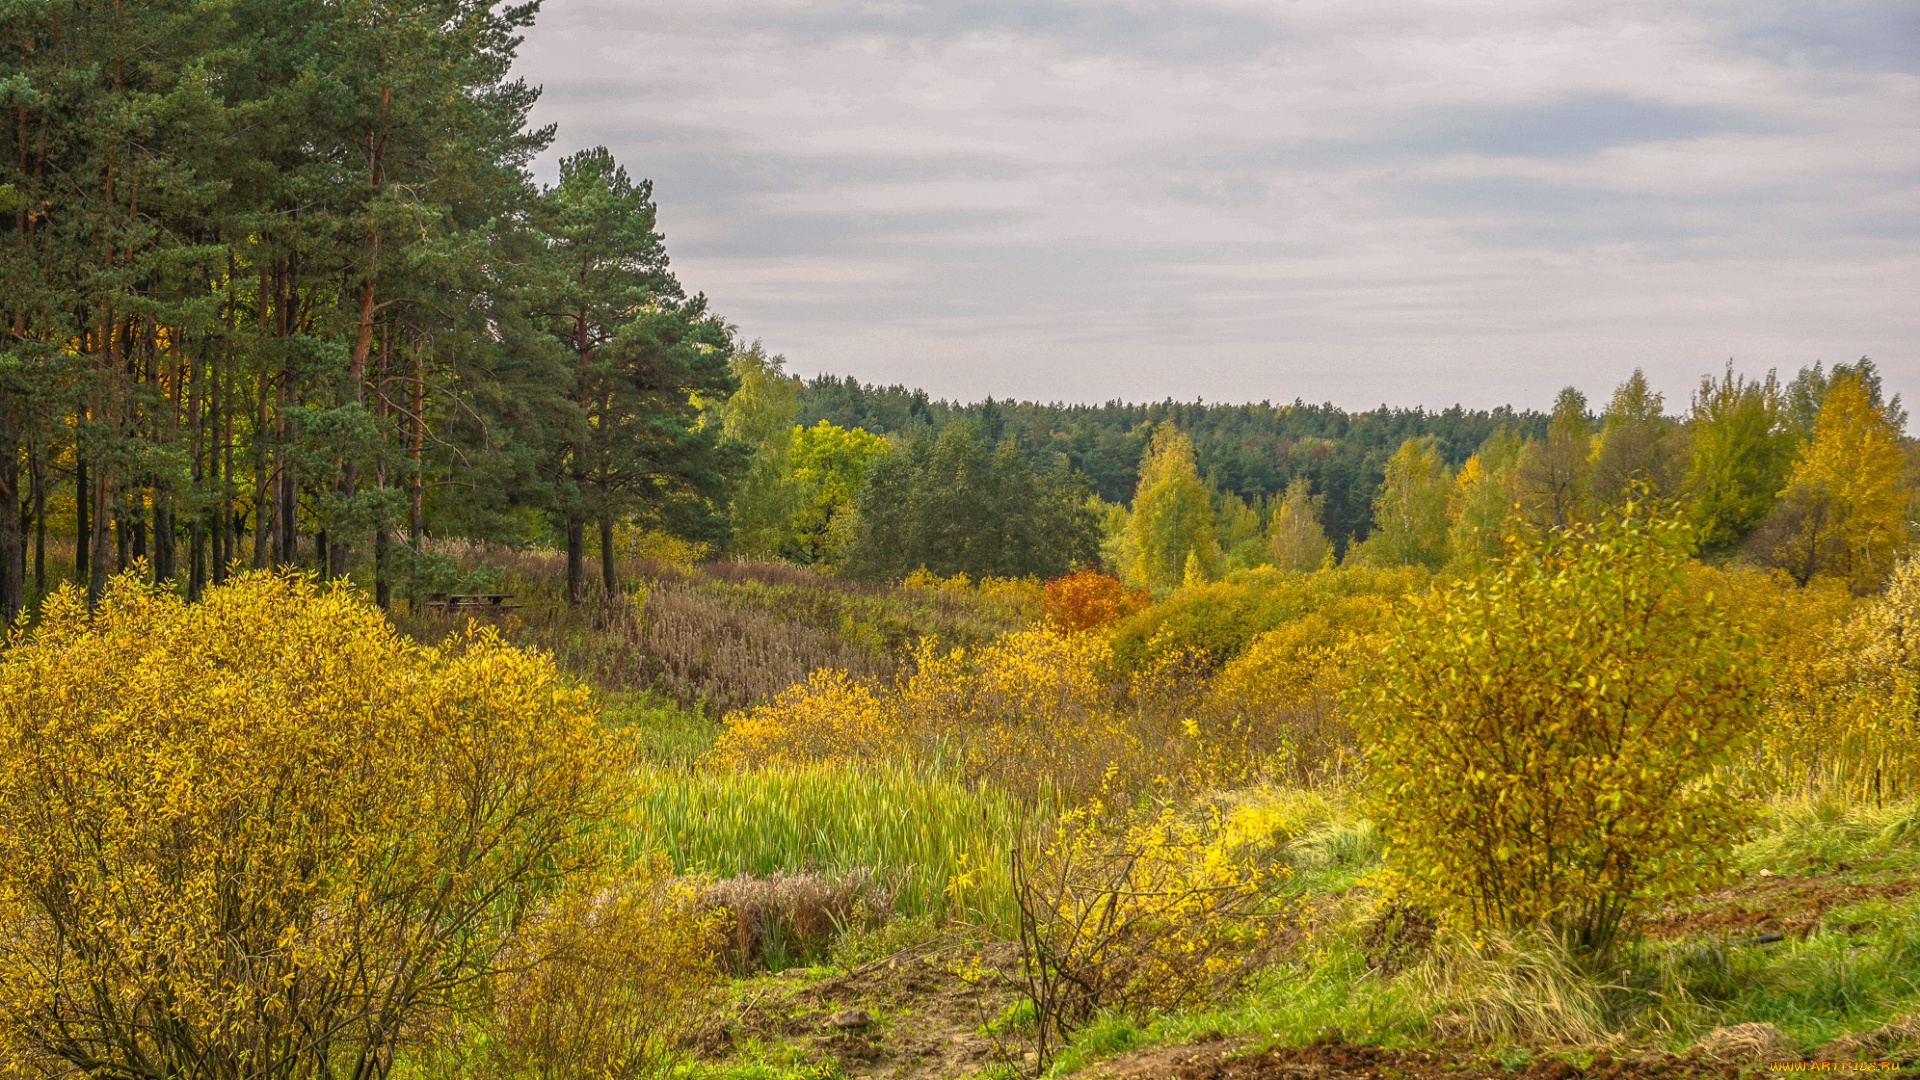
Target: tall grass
[
  {"x": 941, "y": 847},
  {"x": 714, "y": 636}
]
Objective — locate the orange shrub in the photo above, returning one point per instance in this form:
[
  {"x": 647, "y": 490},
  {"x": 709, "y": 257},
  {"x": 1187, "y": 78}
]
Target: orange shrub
[{"x": 1089, "y": 600}]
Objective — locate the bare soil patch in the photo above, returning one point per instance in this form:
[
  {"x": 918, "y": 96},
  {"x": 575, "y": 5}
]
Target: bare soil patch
[
  {"x": 908, "y": 1020},
  {"x": 1341, "y": 1061},
  {"x": 1791, "y": 905}
]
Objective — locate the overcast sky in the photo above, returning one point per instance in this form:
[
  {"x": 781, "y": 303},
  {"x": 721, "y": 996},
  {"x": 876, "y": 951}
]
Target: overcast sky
[{"x": 1341, "y": 200}]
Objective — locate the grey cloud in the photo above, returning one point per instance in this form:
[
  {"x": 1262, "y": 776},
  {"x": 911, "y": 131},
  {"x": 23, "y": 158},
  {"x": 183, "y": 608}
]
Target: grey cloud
[
  {"x": 1570, "y": 126},
  {"x": 1177, "y": 33},
  {"x": 822, "y": 234},
  {"x": 1849, "y": 36},
  {"x": 1400, "y": 204}
]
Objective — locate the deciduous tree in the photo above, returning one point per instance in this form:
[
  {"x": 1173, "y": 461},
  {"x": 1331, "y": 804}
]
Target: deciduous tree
[
  {"x": 1410, "y": 513},
  {"x": 1553, "y": 475},
  {"x": 1843, "y": 511},
  {"x": 1295, "y": 539},
  {"x": 1741, "y": 448},
  {"x": 1171, "y": 518},
  {"x": 1639, "y": 446}
]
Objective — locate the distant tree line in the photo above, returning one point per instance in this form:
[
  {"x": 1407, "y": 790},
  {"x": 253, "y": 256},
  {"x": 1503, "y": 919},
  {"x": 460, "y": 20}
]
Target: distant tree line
[
  {"x": 1812, "y": 476},
  {"x": 1251, "y": 452}
]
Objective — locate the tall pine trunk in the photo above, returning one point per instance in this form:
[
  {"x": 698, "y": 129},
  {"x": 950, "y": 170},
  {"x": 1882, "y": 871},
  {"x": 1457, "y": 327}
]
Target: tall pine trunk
[
  {"x": 13, "y": 553},
  {"x": 197, "y": 451},
  {"x": 338, "y": 550},
  {"x": 97, "y": 568},
  {"x": 607, "y": 557},
  {"x": 122, "y": 542},
  {"x": 37, "y": 464},
  {"x": 576, "y": 559},
  {"x": 82, "y": 522},
  {"x": 227, "y": 535},
  {"x": 382, "y": 582},
  {"x": 289, "y": 510},
  {"x": 416, "y": 443},
  {"x": 165, "y": 563}
]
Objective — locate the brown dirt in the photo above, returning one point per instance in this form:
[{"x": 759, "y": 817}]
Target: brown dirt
[
  {"x": 1342, "y": 1061},
  {"x": 924, "y": 1023},
  {"x": 1792, "y": 905}
]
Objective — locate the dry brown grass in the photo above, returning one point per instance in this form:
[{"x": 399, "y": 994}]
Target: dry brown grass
[
  {"x": 710, "y": 649},
  {"x": 792, "y": 917},
  {"x": 716, "y": 636}
]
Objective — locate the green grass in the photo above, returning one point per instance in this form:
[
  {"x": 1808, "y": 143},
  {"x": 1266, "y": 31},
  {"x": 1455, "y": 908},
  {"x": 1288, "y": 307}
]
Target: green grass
[
  {"x": 663, "y": 731},
  {"x": 942, "y": 846},
  {"x": 1514, "y": 997}
]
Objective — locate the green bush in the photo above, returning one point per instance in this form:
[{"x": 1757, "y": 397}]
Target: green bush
[
  {"x": 1216, "y": 622},
  {"x": 1545, "y": 739}
]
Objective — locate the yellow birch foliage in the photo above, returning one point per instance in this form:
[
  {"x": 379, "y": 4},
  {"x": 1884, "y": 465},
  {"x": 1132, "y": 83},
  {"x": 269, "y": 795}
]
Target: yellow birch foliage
[
  {"x": 1545, "y": 740},
  {"x": 1844, "y": 712},
  {"x": 1171, "y": 522},
  {"x": 1140, "y": 912},
  {"x": 1844, "y": 508},
  {"x": 264, "y": 835},
  {"x": 831, "y": 717},
  {"x": 1275, "y": 708}
]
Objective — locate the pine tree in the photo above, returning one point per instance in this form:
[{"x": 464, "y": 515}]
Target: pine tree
[
  {"x": 643, "y": 353},
  {"x": 950, "y": 504}
]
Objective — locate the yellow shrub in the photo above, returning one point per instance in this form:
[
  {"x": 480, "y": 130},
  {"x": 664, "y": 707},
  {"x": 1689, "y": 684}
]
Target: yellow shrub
[
  {"x": 831, "y": 717},
  {"x": 924, "y": 578},
  {"x": 1800, "y": 633},
  {"x": 1027, "y": 709},
  {"x": 599, "y": 983},
  {"x": 1218, "y": 621},
  {"x": 1544, "y": 740},
  {"x": 1277, "y": 703},
  {"x": 1845, "y": 712},
  {"x": 223, "y": 826},
  {"x": 1026, "y": 595},
  {"x": 1153, "y": 912},
  {"x": 636, "y": 542}
]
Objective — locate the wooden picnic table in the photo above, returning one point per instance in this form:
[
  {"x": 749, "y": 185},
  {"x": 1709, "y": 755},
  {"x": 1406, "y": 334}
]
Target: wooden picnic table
[{"x": 487, "y": 602}]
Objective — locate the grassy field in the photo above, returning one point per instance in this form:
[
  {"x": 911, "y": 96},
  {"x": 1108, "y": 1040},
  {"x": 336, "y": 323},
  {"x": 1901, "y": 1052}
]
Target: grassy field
[
  {"x": 1816, "y": 934},
  {"x": 940, "y": 849}
]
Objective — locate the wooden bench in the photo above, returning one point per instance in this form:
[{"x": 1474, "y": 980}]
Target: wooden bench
[{"x": 478, "y": 603}]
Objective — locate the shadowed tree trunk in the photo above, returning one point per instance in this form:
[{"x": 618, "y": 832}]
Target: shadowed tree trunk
[{"x": 607, "y": 556}]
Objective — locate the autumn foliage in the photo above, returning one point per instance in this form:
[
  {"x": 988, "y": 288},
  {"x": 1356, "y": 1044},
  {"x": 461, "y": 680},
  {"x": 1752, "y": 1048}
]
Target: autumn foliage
[
  {"x": 1028, "y": 710},
  {"x": 1547, "y": 739},
  {"x": 265, "y": 835},
  {"x": 1089, "y": 600}
]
